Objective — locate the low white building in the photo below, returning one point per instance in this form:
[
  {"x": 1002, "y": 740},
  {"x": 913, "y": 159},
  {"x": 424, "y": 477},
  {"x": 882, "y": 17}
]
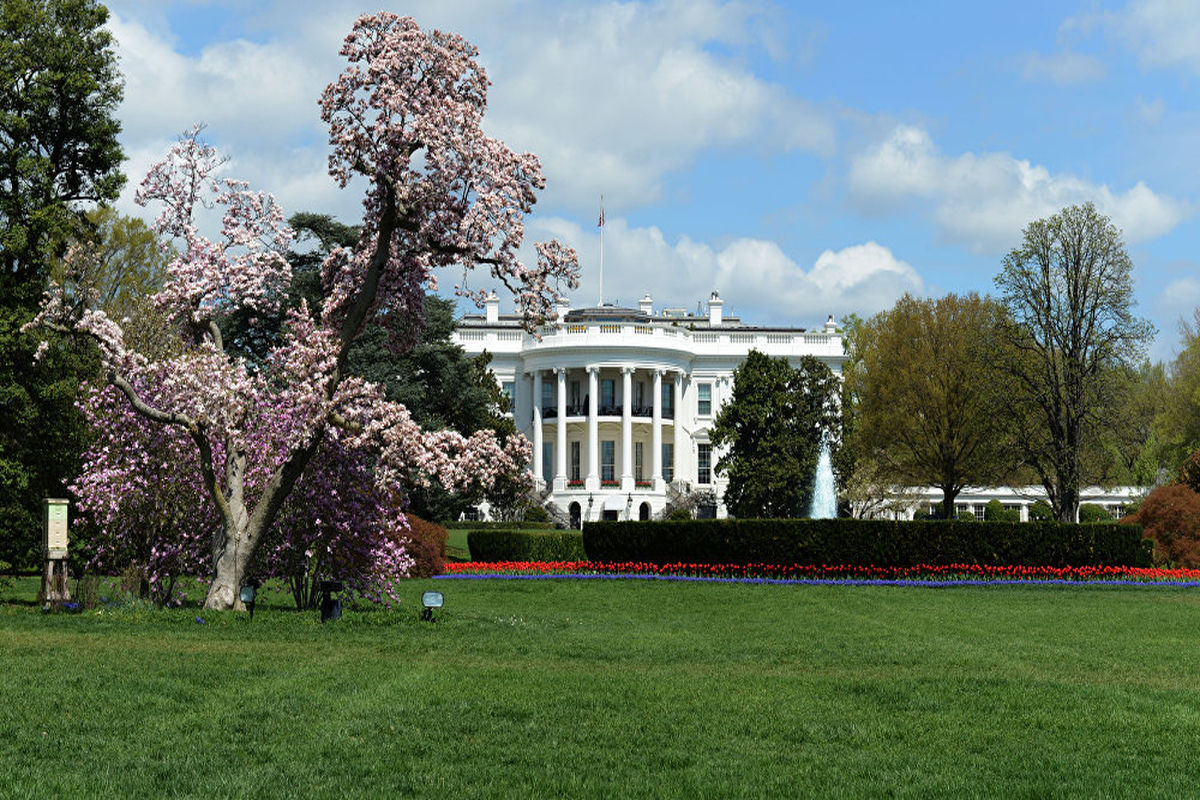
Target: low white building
[
  {"x": 619, "y": 402},
  {"x": 974, "y": 499}
]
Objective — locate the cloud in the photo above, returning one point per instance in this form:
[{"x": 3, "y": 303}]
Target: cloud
[
  {"x": 1163, "y": 33},
  {"x": 613, "y": 98},
  {"x": 1064, "y": 68},
  {"x": 986, "y": 200},
  {"x": 758, "y": 281}
]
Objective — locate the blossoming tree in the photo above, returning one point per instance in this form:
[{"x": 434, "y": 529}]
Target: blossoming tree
[{"x": 406, "y": 115}]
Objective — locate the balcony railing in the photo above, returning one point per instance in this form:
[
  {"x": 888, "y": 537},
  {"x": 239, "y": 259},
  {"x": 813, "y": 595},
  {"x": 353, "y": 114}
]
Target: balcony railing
[{"x": 581, "y": 410}]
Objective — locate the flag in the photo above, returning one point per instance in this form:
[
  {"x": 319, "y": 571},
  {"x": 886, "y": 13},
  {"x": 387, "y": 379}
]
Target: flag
[{"x": 600, "y": 224}]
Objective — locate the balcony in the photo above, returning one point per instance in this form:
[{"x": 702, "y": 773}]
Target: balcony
[{"x": 581, "y": 410}]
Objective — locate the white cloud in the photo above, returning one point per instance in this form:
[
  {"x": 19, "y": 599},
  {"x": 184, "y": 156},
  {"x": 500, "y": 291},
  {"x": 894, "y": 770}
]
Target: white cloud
[
  {"x": 612, "y": 98},
  {"x": 986, "y": 200},
  {"x": 1063, "y": 68},
  {"x": 1164, "y": 33},
  {"x": 758, "y": 281}
]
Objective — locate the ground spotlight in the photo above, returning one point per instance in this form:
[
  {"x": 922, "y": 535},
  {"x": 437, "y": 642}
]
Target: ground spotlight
[{"x": 431, "y": 600}]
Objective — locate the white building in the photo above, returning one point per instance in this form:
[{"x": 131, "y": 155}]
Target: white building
[{"x": 619, "y": 402}]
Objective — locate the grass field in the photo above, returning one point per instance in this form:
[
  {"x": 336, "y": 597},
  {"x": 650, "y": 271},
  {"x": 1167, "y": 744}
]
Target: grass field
[{"x": 605, "y": 688}]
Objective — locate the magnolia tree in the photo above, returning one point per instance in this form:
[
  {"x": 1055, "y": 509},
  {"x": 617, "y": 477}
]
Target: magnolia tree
[{"x": 405, "y": 114}]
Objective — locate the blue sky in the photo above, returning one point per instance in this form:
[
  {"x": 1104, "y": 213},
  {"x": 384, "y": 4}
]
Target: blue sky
[{"x": 803, "y": 159}]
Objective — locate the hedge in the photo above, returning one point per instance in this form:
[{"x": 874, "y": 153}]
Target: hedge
[
  {"x": 865, "y": 542},
  {"x": 526, "y": 545},
  {"x": 468, "y": 525}
]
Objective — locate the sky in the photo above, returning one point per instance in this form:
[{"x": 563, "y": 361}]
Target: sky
[{"x": 800, "y": 159}]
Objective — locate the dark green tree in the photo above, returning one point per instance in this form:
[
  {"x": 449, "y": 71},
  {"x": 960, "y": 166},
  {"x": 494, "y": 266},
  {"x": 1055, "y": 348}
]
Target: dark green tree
[
  {"x": 59, "y": 91},
  {"x": 1068, "y": 290},
  {"x": 771, "y": 434}
]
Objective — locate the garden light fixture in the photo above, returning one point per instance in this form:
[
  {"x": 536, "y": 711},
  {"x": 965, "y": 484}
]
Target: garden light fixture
[
  {"x": 331, "y": 607},
  {"x": 431, "y": 600},
  {"x": 248, "y": 594}
]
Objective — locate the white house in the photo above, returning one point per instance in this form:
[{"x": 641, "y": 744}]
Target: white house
[{"x": 619, "y": 402}]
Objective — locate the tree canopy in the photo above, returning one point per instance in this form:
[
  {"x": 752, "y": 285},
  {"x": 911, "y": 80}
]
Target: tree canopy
[
  {"x": 59, "y": 91},
  {"x": 922, "y": 381},
  {"x": 1068, "y": 291},
  {"x": 406, "y": 113},
  {"x": 771, "y": 432}
]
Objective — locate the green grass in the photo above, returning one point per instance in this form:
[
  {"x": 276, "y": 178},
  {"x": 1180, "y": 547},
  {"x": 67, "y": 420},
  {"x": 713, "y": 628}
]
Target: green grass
[
  {"x": 614, "y": 688},
  {"x": 456, "y": 545}
]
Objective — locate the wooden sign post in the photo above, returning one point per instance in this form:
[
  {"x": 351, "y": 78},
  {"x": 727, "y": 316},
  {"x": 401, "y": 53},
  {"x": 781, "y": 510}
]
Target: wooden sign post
[{"x": 55, "y": 588}]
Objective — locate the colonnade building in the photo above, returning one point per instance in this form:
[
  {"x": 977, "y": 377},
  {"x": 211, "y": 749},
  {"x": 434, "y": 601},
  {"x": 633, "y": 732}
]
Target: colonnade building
[{"x": 619, "y": 402}]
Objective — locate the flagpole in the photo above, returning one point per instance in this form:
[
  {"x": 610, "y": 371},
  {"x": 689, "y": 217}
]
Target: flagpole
[{"x": 600, "y": 302}]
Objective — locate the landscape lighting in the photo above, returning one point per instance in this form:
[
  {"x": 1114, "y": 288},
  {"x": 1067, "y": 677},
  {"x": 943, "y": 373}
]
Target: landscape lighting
[
  {"x": 248, "y": 594},
  {"x": 331, "y": 607},
  {"x": 431, "y": 600}
]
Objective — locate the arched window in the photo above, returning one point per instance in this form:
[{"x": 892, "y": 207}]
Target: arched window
[
  {"x": 644, "y": 512},
  {"x": 573, "y": 510}
]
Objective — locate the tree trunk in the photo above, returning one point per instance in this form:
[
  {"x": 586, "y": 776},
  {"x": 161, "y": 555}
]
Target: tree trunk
[
  {"x": 224, "y": 593},
  {"x": 949, "y": 494}
]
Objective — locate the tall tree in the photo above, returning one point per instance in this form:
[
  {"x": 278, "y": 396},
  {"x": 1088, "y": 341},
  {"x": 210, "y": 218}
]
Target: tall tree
[
  {"x": 926, "y": 413},
  {"x": 771, "y": 431},
  {"x": 1068, "y": 290},
  {"x": 59, "y": 91},
  {"x": 406, "y": 114},
  {"x": 1177, "y": 428}
]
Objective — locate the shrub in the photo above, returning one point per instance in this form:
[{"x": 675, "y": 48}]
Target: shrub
[
  {"x": 1041, "y": 512},
  {"x": 679, "y": 514},
  {"x": 1170, "y": 515},
  {"x": 87, "y": 590},
  {"x": 965, "y": 516},
  {"x": 508, "y": 525},
  {"x": 499, "y": 544},
  {"x": 1091, "y": 512},
  {"x": 996, "y": 512},
  {"x": 427, "y": 546},
  {"x": 865, "y": 542},
  {"x": 536, "y": 513}
]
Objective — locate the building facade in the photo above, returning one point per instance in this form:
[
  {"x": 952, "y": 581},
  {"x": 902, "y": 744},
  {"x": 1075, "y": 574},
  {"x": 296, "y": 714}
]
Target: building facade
[{"x": 619, "y": 402}]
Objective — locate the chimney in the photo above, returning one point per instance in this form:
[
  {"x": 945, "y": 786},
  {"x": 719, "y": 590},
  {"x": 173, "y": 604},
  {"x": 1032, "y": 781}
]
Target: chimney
[
  {"x": 564, "y": 305},
  {"x": 714, "y": 309},
  {"x": 830, "y": 325},
  {"x": 646, "y": 304},
  {"x": 492, "y": 304}
]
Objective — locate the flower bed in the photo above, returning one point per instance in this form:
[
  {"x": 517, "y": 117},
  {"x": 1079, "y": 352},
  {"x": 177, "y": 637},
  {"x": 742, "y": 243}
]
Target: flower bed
[{"x": 928, "y": 575}]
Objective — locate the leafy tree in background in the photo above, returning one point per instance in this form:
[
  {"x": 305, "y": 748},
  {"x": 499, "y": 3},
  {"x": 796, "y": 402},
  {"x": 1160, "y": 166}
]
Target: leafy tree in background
[
  {"x": 1068, "y": 291},
  {"x": 1177, "y": 428},
  {"x": 926, "y": 409},
  {"x": 59, "y": 92},
  {"x": 772, "y": 429}
]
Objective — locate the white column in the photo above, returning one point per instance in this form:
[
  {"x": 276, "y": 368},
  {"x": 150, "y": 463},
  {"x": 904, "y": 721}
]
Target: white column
[
  {"x": 627, "y": 429},
  {"x": 560, "y": 469},
  {"x": 593, "y": 430},
  {"x": 538, "y": 466},
  {"x": 681, "y": 441},
  {"x": 656, "y": 436}
]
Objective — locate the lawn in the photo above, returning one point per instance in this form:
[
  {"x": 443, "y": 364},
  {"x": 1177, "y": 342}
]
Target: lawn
[{"x": 615, "y": 688}]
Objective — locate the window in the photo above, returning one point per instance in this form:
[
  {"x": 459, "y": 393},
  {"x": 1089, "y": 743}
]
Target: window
[
  {"x": 510, "y": 389},
  {"x": 608, "y": 396},
  {"x": 576, "y": 399},
  {"x": 637, "y": 460},
  {"x": 548, "y": 403},
  {"x": 668, "y": 462},
  {"x": 704, "y": 463},
  {"x": 668, "y": 400},
  {"x": 575, "y": 448},
  {"x": 639, "y": 394},
  {"x": 704, "y": 399},
  {"x": 548, "y": 461},
  {"x": 608, "y": 460}
]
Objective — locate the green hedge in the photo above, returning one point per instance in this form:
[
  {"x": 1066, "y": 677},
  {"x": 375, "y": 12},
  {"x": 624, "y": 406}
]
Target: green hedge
[
  {"x": 866, "y": 542},
  {"x": 468, "y": 525},
  {"x": 527, "y": 545}
]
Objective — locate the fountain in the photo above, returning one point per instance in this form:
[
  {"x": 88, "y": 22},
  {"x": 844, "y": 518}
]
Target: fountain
[{"x": 824, "y": 497}]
